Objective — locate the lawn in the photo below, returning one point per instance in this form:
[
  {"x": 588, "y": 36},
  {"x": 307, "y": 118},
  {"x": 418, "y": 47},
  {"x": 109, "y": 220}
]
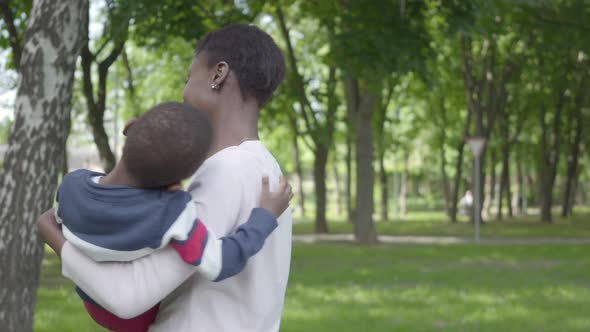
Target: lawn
[
  {"x": 338, "y": 287},
  {"x": 436, "y": 224}
]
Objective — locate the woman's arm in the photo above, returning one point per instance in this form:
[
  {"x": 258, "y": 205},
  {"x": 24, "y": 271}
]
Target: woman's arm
[
  {"x": 126, "y": 289},
  {"x": 130, "y": 288}
]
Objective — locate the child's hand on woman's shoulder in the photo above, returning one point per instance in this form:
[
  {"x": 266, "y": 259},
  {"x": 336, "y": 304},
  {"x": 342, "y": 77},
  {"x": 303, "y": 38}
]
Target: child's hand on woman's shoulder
[{"x": 276, "y": 202}]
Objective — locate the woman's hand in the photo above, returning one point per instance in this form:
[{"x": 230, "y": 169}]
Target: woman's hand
[
  {"x": 50, "y": 231},
  {"x": 276, "y": 202}
]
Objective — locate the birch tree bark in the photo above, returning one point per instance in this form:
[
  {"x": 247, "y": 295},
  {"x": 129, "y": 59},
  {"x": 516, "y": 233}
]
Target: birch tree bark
[{"x": 35, "y": 154}]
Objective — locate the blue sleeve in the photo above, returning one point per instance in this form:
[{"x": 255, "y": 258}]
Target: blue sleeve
[{"x": 248, "y": 239}]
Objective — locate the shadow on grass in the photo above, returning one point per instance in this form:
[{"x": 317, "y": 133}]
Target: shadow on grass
[{"x": 436, "y": 224}]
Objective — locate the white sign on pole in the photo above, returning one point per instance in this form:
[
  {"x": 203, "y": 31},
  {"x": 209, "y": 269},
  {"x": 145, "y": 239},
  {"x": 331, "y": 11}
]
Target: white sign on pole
[{"x": 476, "y": 144}]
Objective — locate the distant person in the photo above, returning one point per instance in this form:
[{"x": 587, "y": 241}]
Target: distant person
[
  {"x": 137, "y": 208},
  {"x": 466, "y": 203}
]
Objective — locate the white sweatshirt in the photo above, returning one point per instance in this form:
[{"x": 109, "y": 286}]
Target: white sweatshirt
[{"x": 225, "y": 189}]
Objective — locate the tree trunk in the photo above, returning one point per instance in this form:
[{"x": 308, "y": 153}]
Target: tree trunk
[
  {"x": 97, "y": 105},
  {"x": 443, "y": 158},
  {"x": 445, "y": 182},
  {"x": 95, "y": 112},
  {"x": 509, "y": 192},
  {"x": 459, "y": 168},
  {"x": 298, "y": 168},
  {"x": 583, "y": 194},
  {"x": 352, "y": 106},
  {"x": 319, "y": 176},
  {"x": 130, "y": 91},
  {"x": 546, "y": 182},
  {"x": 65, "y": 166},
  {"x": 321, "y": 134},
  {"x": 505, "y": 182},
  {"x": 574, "y": 155},
  {"x": 522, "y": 195},
  {"x": 101, "y": 139},
  {"x": 365, "y": 232},
  {"x": 322, "y": 149},
  {"x": 403, "y": 192},
  {"x": 493, "y": 180},
  {"x": 338, "y": 188},
  {"x": 482, "y": 175},
  {"x": 531, "y": 182},
  {"x": 384, "y": 192},
  {"x": 34, "y": 158},
  {"x": 457, "y": 182},
  {"x": 379, "y": 120},
  {"x": 572, "y": 198},
  {"x": 349, "y": 207},
  {"x": 549, "y": 158}
]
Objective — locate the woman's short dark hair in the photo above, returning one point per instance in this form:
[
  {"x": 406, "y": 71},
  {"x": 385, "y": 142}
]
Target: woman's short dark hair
[{"x": 251, "y": 54}]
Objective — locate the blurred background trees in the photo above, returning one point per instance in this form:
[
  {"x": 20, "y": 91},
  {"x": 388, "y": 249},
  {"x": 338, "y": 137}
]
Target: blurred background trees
[
  {"x": 379, "y": 98},
  {"x": 371, "y": 121}
]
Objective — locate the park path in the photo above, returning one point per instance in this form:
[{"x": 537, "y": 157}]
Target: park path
[{"x": 391, "y": 239}]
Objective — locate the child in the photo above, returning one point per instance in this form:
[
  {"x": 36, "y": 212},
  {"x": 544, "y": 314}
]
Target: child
[{"x": 137, "y": 208}]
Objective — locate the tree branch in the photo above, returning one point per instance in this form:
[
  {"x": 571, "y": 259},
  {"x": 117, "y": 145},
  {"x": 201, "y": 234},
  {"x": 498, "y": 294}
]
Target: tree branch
[
  {"x": 467, "y": 71},
  {"x": 103, "y": 69},
  {"x": 110, "y": 59},
  {"x": 87, "y": 58},
  {"x": 482, "y": 79},
  {"x": 128, "y": 73},
  {"x": 304, "y": 102},
  {"x": 389, "y": 94},
  {"x": 492, "y": 103},
  {"x": 14, "y": 38},
  {"x": 520, "y": 121},
  {"x": 101, "y": 48},
  {"x": 560, "y": 23},
  {"x": 295, "y": 127},
  {"x": 332, "y": 106}
]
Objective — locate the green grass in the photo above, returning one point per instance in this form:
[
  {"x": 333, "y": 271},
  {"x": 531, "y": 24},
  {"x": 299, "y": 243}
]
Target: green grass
[
  {"x": 58, "y": 306},
  {"x": 438, "y": 288},
  {"x": 336, "y": 287},
  {"x": 436, "y": 224}
]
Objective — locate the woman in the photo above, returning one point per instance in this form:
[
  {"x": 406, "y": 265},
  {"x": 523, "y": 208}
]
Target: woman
[{"x": 234, "y": 72}]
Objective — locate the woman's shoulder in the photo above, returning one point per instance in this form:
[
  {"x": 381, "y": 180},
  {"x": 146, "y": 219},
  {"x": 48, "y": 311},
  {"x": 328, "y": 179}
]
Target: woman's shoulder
[{"x": 232, "y": 158}]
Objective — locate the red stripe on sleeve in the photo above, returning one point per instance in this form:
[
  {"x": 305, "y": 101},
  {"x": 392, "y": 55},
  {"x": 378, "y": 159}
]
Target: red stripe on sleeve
[{"x": 191, "y": 250}]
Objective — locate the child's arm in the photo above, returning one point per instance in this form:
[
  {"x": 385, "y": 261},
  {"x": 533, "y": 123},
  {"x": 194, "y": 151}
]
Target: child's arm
[
  {"x": 146, "y": 281},
  {"x": 218, "y": 259}
]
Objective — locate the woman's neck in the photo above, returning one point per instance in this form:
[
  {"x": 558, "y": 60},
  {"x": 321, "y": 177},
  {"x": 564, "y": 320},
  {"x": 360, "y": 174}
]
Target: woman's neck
[{"x": 233, "y": 129}]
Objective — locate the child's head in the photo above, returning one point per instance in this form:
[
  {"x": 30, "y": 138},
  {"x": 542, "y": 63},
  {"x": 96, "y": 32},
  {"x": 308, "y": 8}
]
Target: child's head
[{"x": 166, "y": 145}]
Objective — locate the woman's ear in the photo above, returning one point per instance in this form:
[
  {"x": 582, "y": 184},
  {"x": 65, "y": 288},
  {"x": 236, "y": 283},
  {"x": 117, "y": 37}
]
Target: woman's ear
[
  {"x": 128, "y": 125},
  {"x": 221, "y": 74}
]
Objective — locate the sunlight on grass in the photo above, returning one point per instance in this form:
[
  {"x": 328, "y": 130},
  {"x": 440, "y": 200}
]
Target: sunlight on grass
[
  {"x": 421, "y": 308},
  {"x": 60, "y": 309},
  {"x": 402, "y": 288}
]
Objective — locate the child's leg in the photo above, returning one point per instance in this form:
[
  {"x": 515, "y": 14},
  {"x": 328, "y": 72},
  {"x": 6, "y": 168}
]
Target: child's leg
[{"x": 113, "y": 323}]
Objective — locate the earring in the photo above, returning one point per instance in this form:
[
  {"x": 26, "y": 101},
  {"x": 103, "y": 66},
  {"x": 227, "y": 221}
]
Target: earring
[{"x": 214, "y": 86}]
